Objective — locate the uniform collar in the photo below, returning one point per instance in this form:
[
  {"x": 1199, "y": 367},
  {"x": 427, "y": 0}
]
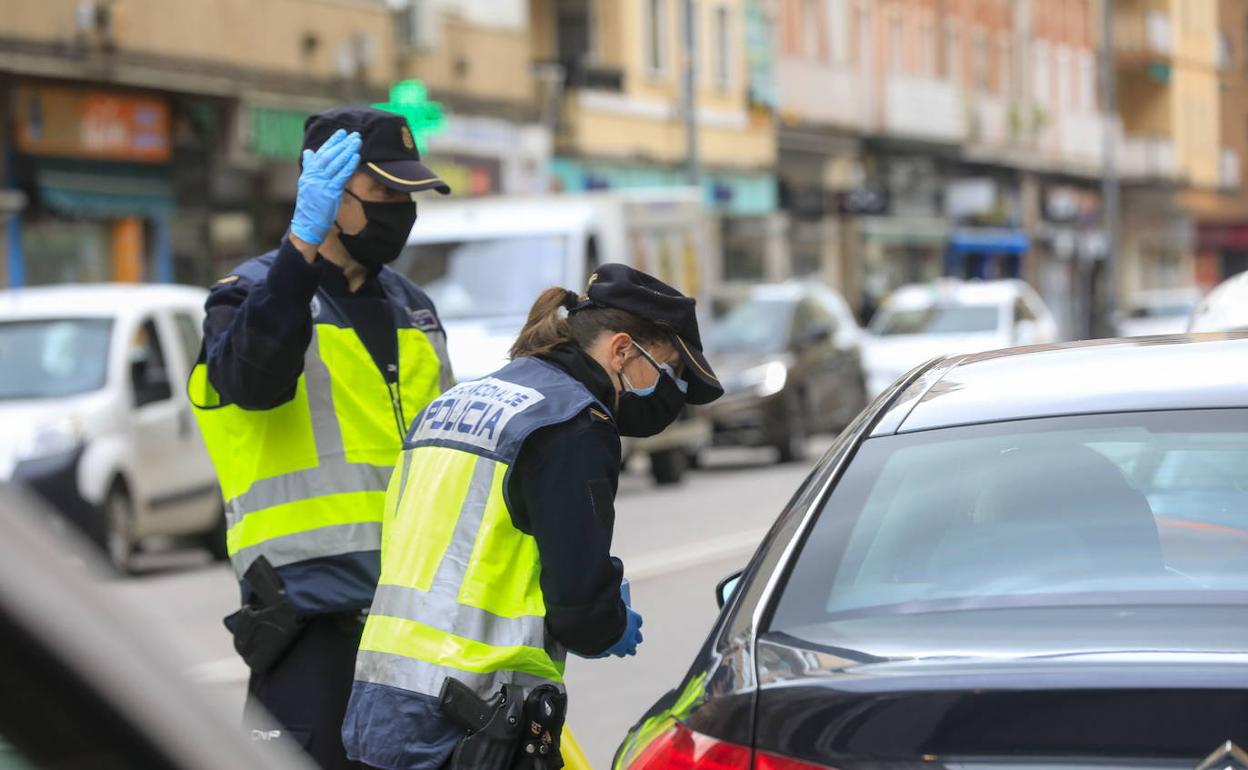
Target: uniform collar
[
  {"x": 585, "y": 370},
  {"x": 334, "y": 281}
]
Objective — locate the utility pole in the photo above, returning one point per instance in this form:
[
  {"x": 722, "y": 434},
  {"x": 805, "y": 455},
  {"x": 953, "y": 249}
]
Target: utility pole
[
  {"x": 689, "y": 95},
  {"x": 1109, "y": 177}
]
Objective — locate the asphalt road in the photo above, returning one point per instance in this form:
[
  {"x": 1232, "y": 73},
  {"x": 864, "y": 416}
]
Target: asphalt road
[{"x": 676, "y": 543}]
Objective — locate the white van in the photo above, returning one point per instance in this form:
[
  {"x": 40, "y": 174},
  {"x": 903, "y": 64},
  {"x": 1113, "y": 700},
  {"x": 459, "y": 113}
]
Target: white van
[
  {"x": 95, "y": 415},
  {"x": 483, "y": 262}
]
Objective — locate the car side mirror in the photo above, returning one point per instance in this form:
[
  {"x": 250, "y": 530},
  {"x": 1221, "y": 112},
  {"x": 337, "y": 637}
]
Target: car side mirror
[
  {"x": 814, "y": 336},
  {"x": 727, "y": 587},
  {"x": 150, "y": 383}
]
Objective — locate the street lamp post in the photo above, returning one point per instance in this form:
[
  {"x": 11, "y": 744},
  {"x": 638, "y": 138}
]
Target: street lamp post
[
  {"x": 689, "y": 94},
  {"x": 1109, "y": 177}
]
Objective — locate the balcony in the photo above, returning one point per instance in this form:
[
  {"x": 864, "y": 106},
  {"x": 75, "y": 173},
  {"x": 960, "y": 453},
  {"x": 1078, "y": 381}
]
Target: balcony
[
  {"x": 1081, "y": 138},
  {"x": 988, "y": 122},
  {"x": 1142, "y": 35},
  {"x": 823, "y": 93},
  {"x": 1147, "y": 158},
  {"x": 923, "y": 108}
]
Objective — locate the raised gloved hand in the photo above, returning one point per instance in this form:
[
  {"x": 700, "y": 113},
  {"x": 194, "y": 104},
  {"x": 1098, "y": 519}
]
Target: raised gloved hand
[
  {"x": 325, "y": 174},
  {"x": 627, "y": 644}
]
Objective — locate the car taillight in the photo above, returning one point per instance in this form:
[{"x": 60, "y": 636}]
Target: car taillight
[
  {"x": 679, "y": 748},
  {"x": 765, "y": 761}
]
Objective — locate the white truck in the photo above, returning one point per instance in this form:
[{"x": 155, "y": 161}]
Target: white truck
[{"x": 484, "y": 261}]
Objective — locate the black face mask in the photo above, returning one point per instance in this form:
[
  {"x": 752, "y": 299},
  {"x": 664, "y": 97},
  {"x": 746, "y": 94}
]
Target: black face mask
[
  {"x": 384, "y": 234},
  {"x": 642, "y": 416}
]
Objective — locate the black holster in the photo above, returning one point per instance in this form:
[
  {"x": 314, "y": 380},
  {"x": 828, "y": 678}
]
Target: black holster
[
  {"x": 505, "y": 732},
  {"x": 265, "y": 628},
  {"x": 492, "y": 728}
]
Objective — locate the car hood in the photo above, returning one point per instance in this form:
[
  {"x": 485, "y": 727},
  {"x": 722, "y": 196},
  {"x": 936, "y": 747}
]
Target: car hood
[
  {"x": 897, "y": 354},
  {"x": 478, "y": 347}
]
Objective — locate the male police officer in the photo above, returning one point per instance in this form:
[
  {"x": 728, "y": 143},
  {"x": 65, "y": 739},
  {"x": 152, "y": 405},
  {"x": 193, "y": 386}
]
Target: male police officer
[{"x": 316, "y": 356}]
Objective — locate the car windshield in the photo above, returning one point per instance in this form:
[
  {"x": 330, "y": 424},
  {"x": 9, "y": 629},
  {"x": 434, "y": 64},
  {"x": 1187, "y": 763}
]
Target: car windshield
[
  {"x": 53, "y": 358},
  {"x": 754, "y": 326},
  {"x": 490, "y": 277},
  {"x": 937, "y": 319},
  {"x": 1130, "y": 509}
]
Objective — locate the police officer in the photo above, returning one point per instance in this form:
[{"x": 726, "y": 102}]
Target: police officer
[
  {"x": 496, "y": 548},
  {"x": 315, "y": 358}
]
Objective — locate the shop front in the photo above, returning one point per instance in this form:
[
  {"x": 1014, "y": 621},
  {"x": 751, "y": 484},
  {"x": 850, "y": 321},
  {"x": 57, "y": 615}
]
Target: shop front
[{"x": 95, "y": 165}]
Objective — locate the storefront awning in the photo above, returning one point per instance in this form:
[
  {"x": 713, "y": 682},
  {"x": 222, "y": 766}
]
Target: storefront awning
[
  {"x": 988, "y": 241},
  {"x": 89, "y": 191}
]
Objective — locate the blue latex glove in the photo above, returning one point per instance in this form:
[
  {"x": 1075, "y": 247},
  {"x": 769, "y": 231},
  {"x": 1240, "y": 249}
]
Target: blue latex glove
[
  {"x": 627, "y": 645},
  {"x": 325, "y": 174}
]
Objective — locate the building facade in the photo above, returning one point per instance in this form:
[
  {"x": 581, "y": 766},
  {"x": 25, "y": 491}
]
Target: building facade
[
  {"x": 614, "y": 89},
  {"x": 156, "y": 145}
]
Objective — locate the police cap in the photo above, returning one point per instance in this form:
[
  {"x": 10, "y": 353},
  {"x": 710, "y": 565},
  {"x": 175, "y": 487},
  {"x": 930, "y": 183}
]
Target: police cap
[{"x": 387, "y": 149}]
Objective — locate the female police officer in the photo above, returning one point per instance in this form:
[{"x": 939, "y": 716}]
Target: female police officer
[{"x": 496, "y": 539}]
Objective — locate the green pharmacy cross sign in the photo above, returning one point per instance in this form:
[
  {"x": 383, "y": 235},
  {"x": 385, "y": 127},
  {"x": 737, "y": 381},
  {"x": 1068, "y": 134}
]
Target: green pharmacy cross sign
[{"x": 410, "y": 99}]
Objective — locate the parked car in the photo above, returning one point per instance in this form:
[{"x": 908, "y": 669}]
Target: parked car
[
  {"x": 86, "y": 684},
  {"x": 93, "y": 400},
  {"x": 789, "y": 359},
  {"x": 1032, "y": 559},
  {"x": 1158, "y": 312},
  {"x": 919, "y": 322},
  {"x": 1224, "y": 309}
]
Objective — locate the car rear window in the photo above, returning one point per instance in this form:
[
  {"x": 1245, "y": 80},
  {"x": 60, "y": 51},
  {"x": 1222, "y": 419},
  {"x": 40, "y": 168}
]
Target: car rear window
[
  {"x": 1141, "y": 508},
  {"x": 937, "y": 319}
]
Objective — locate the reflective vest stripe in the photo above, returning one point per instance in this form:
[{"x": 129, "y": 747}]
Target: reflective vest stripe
[
  {"x": 299, "y": 516},
  {"x": 325, "y": 428},
  {"x": 288, "y": 549},
  {"x": 441, "y": 611},
  {"x": 454, "y": 564},
  {"x": 427, "y": 644},
  {"x": 328, "y": 479},
  {"x": 419, "y": 676}
]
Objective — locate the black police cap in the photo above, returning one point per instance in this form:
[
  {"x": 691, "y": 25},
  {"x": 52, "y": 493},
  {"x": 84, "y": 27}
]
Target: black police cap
[
  {"x": 387, "y": 149},
  {"x": 624, "y": 288}
]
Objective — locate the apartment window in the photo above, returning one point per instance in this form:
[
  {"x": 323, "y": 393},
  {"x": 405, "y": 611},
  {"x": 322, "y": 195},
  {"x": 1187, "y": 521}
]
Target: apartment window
[
  {"x": 927, "y": 50},
  {"x": 980, "y": 65},
  {"x": 722, "y": 33},
  {"x": 839, "y": 29},
  {"x": 1004, "y": 66},
  {"x": 953, "y": 52},
  {"x": 1042, "y": 84},
  {"x": 1087, "y": 79},
  {"x": 896, "y": 45},
  {"x": 656, "y": 36},
  {"x": 811, "y": 47}
]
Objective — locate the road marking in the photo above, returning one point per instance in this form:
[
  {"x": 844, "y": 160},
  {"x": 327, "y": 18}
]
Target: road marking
[
  {"x": 231, "y": 670},
  {"x": 655, "y": 563}
]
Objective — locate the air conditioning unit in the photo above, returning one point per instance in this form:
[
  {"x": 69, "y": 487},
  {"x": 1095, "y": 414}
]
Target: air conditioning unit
[{"x": 420, "y": 25}]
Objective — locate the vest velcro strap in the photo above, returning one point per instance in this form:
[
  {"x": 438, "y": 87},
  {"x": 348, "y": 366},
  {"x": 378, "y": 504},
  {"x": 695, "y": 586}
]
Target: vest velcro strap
[
  {"x": 424, "y": 677},
  {"x": 329, "y": 478},
  {"x": 449, "y": 616},
  {"x": 311, "y": 544}
]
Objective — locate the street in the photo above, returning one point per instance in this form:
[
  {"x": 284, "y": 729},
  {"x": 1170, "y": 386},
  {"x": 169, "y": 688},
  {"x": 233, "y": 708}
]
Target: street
[{"x": 676, "y": 544}]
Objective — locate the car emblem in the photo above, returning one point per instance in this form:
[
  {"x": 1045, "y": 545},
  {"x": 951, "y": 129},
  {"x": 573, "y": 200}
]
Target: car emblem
[{"x": 1227, "y": 757}]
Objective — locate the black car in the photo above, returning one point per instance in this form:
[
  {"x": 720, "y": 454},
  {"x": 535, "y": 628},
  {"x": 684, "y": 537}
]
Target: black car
[
  {"x": 1028, "y": 558},
  {"x": 790, "y": 361}
]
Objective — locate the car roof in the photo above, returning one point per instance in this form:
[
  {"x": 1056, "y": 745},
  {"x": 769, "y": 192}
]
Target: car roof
[
  {"x": 919, "y": 295},
  {"x": 94, "y": 300},
  {"x": 1199, "y": 371}
]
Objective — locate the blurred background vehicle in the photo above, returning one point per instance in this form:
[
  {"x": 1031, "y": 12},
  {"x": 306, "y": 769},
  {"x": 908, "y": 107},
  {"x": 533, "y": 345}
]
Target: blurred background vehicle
[
  {"x": 1225, "y": 309},
  {"x": 96, "y": 419},
  {"x": 484, "y": 261},
  {"x": 790, "y": 361},
  {"x": 86, "y": 683},
  {"x": 1157, "y": 312},
  {"x": 919, "y": 322},
  {"x": 1001, "y": 545}
]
